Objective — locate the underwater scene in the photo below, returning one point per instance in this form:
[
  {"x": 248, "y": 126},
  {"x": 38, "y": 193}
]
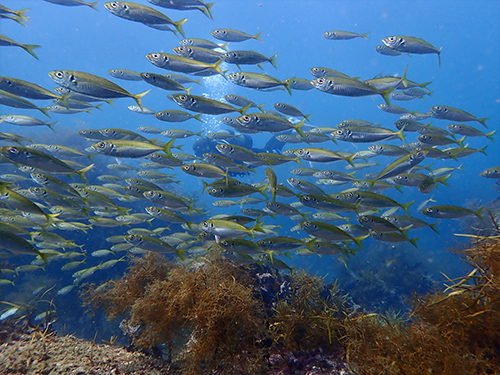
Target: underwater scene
[{"x": 250, "y": 187}]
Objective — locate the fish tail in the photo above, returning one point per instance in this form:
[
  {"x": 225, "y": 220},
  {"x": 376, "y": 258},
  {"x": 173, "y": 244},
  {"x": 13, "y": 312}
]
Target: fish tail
[
  {"x": 405, "y": 207},
  {"x": 44, "y": 111},
  {"x": 404, "y": 80},
  {"x": 29, "y": 48},
  {"x": 216, "y": 67},
  {"x": 167, "y": 147},
  {"x": 357, "y": 241},
  {"x": 273, "y": 60},
  {"x": 433, "y": 227},
  {"x": 288, "y": 86},
  {"x": 483, "y": 121},
  {"x": 93, "y": 5},
  {"x": 244, "y": 109},
  {"x": 298, "y": 129},
  {"x": 400, "y": 134},
  {"x": 205, "y": 186},
  {"x": 197, "y": 117},
  {"x": 262, "y": 190},
  {"x": 385, "y": 95},
  {"x": 424, "y": 85},
  {"x": 224, "y": 46},
  {"x": 188, "y": 89},
  {"x": 482, "y": 150},
  {"x": 109, "y": 101},
  {"x": 180, "y": 252},
  {"x": 138, "y": 98},
  {"x": 81, "y": 173},
  {"x": 257, "y": 36},
  {"x": 489, "y": 135},
  {"x": 364, "y": 35},
  {"x": 439, "y": 56},
  {"x": 460, "y": 142},
  {"x": 178, "y": 26},
  {"x": 413, "y": 241},
  {"x": 208, "y": 10},
  {"x": 20, "y": 14},
  {"x": 443, "y": 180}
]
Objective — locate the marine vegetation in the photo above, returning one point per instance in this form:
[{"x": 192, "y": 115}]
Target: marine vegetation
[{"x": 214, "y": 315}]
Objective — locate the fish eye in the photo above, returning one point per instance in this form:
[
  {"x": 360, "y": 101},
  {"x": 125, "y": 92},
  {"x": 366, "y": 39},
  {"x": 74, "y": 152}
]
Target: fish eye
[
  {"x": 101, "y": 145},
  {"x": 307, "y": 198},
  {"x": 321, "y": 81},
  {"x": 13, "y": 151},
  {"x": 59, "y": 74}
]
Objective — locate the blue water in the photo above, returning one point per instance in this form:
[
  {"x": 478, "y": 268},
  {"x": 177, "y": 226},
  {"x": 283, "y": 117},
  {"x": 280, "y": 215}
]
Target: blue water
[{"x": 79, "y": 38}]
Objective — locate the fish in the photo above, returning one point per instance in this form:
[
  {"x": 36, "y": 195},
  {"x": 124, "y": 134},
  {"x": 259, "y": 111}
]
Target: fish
[
  {"x": 450, "y": 212},
  {"x": 258, "y": 81},
  {"x": 469, "y": 131},
  {"x": 73, "y": 3},
  {"x": 21, "y": 120},
  {"x": 329, "y": 232},
  {"x": 205, "y": 55},
  {"x": 298, "y": 84},
  {"x": 26, "y": 89},
  {"x": 143, "y": 14},
  {"x": 202, "y": 43},
  {"x": 230, "y": 35},
  {"x": 242, "y": 57},
  {"x": 7, "y": 42},
  {"x": 11, "y": 100},
  {"x": 183, "y": 64},
  {"x": 127, "y": 75},
  {"x": 273, "y": 181},
  {"x": 343, "y": 35},
  {"x": 384, "y": 50},
  {"x": 129, "y": 149},
  {"x": 269, "y": 122},
  {"x": 454, "y": 114},
  {"x": 162, "y": 82},
  {"x": 493, "y": 172},
  {"x": 401, "y": 165},
  {"x": 204, "y": 105},
  {"x": 410, "y": 44},
  {"x": 205, "y": 8},
  {"x": 348, "y": 87},
  {"x": 366, "y": 134},
  {"x": 18, "y": 245},
  {"x": 89, "y": 84},
  {"x": 290, "y": 110},
  {"x": 173, "y": 115}
]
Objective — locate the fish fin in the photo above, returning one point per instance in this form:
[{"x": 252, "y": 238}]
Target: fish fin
[
  {"x": 385, "y": 95},
  {"x": 273, "y": 60},
  {"x": 257, "y": 36},
  {"x": 81, "y": 173},
  {"x": 433, "y": 227},
  {"x": 298, "y": 129},
  {"x": 405, "y": 207},
  {"x": 489, "y": 135},
  {"x": 260, "y": 66},
  {"x": 138, "y": 98},
  {"x": 216, "y": 67},
  {"x": 178, "y": 26},
  {"x": 29, "y": 48},
  {"x": 288, "y": 86},
  {"x": 44, "y": 111},
  {"x": 404, "y": 80},
  {"x": 482, "y": 121},
  {"x": 93, "y": 5},
  {"x": 209, "y": 10}
]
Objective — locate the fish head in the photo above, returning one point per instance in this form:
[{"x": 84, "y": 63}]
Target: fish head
[
  {"x": 317, "y": 72},
  {"x": 438, "y": 110},
  {"x": 134, "y": 239},
  {"x": 231, "y": 57},
  {"x": 156, "y": 58},
  {"x": 5, "y": 83},
  {"x": 183, "y": 100},
  {"x": 186, "y": 42},
  {"x": 431, "y": 212},
  {"x": 247, "y": 120},
  {"x": 218, "y": 33},
  {"x": 39, "y": 178},
  {"x": 322, "y": 83},
  {"x": 103, "y": 147},
  {"x": 330, "y": 34},
  {"x": 184, "y": 51},
  {"x": 216, "y": 192},
  {"x": 394, "y": 42},
  {"x": 224, "y": 148},
  {"x": 117, "y": 8},
  {"x": 237, "y": 78},
  {"x": 341, "y": 134},
  {"x": 228, "y": 120},
  {"x": 63, "y": 78}
]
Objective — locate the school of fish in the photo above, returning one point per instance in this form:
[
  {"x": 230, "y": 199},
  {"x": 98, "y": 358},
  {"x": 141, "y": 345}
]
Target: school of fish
[{"x": 49, "y": 190}]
